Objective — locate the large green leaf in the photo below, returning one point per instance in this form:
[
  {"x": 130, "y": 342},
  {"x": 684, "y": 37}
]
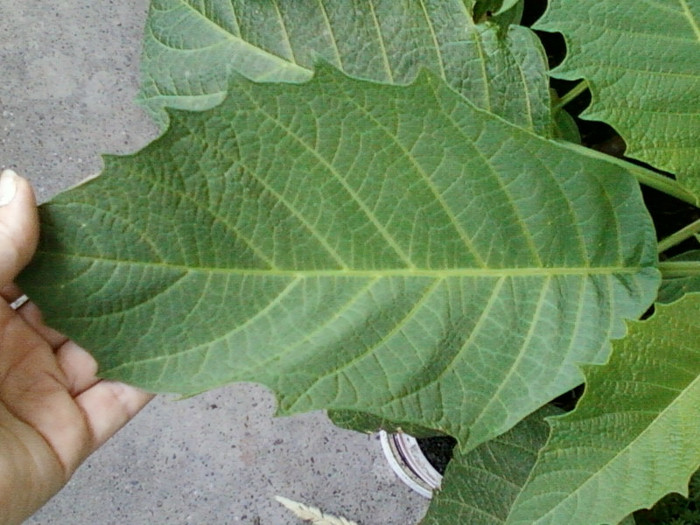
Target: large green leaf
[
  {"x": 635, "y": 434},
  {"x": 354, "y": 246},
  {"x": 642, "y": 64},
  {"x": 480, "y": 486},
  {"x": 191, "y": 47}
]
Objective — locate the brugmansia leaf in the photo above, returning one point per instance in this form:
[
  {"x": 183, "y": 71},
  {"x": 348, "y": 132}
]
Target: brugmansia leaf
[
  {"x": 642, "y": 64},
  {"x": 363, "y": 422},
  {"x": 506, "y": 5},
  {"x": 566, "y": 127},
  {"x": 496, "y": 11},
  {"x": 674, "y": 508},
  {"x": 190, "y": 49},
  {"x": 354, "y": 246},
  {"x": 673, "y": 287},
  {"x": 635, "y": 434},
  {"x": 481, "y": 485}
]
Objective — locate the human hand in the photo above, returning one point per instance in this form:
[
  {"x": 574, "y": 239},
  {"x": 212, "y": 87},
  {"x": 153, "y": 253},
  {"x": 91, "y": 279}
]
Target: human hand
[{"x": 54, "y": 412}]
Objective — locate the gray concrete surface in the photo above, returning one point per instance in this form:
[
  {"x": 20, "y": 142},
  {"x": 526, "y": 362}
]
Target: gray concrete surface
[{"x": 69, "y": 75}]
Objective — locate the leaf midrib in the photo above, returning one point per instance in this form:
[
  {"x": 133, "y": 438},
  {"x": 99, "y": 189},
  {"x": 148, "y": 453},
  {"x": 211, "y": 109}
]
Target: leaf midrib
[{"x": 436, "y": 273}]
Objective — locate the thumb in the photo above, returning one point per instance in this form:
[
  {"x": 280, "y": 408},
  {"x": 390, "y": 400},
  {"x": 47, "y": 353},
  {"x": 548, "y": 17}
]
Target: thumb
[{"x": 19, "y": 225}]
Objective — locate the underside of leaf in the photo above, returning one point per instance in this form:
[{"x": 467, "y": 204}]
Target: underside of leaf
[
  {"x": 353, "y": 246},
  {"x": 192, "y": 48}
]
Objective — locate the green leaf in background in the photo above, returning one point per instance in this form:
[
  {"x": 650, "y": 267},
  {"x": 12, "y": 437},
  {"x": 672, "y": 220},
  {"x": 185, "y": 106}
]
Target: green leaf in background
[
  {"x": 642, "y": 64},
  {"x": 363, "y": 422},
  {"x": 496, "y": 11},
  {"x": 674, "y": 287},
  {"x": 191, "y": 48},
  {"x": 565, "y": 127},
  {"x": 480, "y": 486},
  {"x": 674, "y": 508},
  {"x": 505, "y": 6},
  {"x": 635, "y": 434},
  {"x": 354, "y": 246}
]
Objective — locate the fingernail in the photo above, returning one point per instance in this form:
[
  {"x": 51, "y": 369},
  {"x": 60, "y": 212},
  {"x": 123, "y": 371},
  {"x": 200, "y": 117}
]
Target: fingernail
[{"x": 8, "y": 187}]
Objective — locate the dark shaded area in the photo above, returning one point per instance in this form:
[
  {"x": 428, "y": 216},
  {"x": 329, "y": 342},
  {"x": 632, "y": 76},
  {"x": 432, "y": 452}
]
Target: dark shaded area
[
  {"x": 567, "y": 401},
  {"x": 534, "y": 9},
  {"x": 438, "y": 451},
  {"x": 670, "y": 215}
]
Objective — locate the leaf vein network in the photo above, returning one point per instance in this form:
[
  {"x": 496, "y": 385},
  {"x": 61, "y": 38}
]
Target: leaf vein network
[
  {"x": 351, "y": 192},
  {"x": 407, "y": 317},
  {"x": 468, "y": 243}
]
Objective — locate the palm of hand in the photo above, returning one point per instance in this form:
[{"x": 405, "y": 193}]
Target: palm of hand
[{"x": 54, "y": 412}]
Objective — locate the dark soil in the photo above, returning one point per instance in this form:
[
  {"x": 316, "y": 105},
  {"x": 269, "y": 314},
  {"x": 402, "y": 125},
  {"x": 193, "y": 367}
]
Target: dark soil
[{"x": 438, "y": 451}]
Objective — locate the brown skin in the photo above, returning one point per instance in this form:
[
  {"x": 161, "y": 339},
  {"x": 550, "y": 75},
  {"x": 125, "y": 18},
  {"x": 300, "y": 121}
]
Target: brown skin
[{"x": 54, "y": 412}]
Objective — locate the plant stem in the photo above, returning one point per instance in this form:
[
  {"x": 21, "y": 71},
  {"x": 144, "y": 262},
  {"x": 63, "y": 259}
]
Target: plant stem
[
  {"x": 671, "y": 269},
  {"x": 679, "y": 236},
  {"x": 571, "y": 95},
  {"x": 643, "y": 175},
  {"x": 662, "y": 183}
]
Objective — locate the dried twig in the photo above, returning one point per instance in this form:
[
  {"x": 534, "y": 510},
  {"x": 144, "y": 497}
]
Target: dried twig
[{"x": 312, "y": 514}]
